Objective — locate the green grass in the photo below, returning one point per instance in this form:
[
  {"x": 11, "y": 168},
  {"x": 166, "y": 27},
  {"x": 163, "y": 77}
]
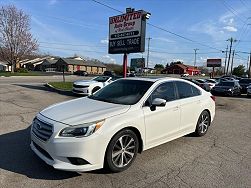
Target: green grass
[
  {"x": 62, "y": 85},
  {"x": 19, "y": 74}
]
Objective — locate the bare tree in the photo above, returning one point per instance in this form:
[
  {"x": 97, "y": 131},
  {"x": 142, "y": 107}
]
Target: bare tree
[{"x": 16, "y": 40}]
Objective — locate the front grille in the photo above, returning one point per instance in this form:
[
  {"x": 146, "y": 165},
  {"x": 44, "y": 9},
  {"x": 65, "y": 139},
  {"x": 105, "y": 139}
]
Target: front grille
[
  {"x": 79, "y": 86},
  {"x": 41, "y": 129},
  {"x": 81, "y": 92}
]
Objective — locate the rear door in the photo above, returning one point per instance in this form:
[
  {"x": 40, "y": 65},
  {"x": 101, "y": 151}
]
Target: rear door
[{"x": 190, "y": 105}]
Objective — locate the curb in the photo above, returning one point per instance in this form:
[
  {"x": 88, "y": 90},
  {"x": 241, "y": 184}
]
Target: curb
[{"x": 65, "y": 92}]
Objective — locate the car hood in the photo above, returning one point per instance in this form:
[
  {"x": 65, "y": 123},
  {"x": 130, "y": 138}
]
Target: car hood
[
  {"x": 85, "y": 82},
  {"x": 82, "y": 110}
]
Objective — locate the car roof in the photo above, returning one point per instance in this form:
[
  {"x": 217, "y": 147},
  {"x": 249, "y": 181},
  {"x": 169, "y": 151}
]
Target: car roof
[{"x": 154, "y": 79}]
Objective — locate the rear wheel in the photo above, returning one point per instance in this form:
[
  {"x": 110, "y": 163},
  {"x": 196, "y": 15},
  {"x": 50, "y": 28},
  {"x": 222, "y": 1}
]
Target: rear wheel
[
  {"x": 203, "y": 123},
  {"x": 121, "y": 151}
]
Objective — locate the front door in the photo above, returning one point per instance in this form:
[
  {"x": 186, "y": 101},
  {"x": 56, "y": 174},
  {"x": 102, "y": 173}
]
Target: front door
[{"x": 163, "y": 123}]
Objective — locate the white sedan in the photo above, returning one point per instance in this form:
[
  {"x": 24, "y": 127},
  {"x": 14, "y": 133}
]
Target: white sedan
[
  {"x": 109, "y": 128},
  {"x": 88, "y": 87}
]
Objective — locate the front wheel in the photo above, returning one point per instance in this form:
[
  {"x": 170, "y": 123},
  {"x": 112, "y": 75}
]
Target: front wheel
[
  {"x": 203, "y": 123},
  {"x": 121, "y": 151}
]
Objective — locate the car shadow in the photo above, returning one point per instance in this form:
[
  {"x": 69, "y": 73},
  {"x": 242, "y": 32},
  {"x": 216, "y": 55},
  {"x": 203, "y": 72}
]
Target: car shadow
[
  {"x": 16, "y": 156},
  {"x": 46, "y": 88}
]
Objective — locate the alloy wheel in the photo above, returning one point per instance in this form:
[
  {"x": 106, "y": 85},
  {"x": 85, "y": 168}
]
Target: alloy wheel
[
  {"x": 204, "y": 123},
  {"x": 123, "y": 151}
]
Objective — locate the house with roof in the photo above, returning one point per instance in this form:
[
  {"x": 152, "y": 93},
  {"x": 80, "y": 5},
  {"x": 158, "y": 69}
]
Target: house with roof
[
  {"x": 48, "y": 65},
  {"x": 181, "y": 69},
  {"x": 73, "y": 65}
]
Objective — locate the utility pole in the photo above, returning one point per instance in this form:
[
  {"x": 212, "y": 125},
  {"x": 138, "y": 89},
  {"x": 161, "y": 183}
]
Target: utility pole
[
  {"x": 147, "y": 58},
  {"x": 230, "y": 51},
  {"x": 247, "y": 63},
  {"x": 195, "y": 54},
  {"x": 225, "y": 60},
  {"x": 249, "y": 70},
  {"x": 232, "y": 64}
]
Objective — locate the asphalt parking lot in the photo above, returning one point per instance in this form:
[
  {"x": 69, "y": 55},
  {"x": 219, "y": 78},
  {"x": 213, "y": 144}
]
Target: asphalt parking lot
[{"x": 222, "y": 158}]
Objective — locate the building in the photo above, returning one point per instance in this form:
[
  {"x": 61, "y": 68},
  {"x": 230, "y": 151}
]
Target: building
[
  {"x": 73, "y": 65},
  {"x": 181, "y": 69},
  {"x": 48, "y": 65}
]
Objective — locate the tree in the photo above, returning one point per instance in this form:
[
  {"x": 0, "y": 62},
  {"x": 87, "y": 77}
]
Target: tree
[
  {"x": 16, "y": 40},
  {"x": 159, "y": 68},
  {"x": 239, "y": 71},
  {"x": 167, "y": 65},
  {"x": 176, "y": 62}
]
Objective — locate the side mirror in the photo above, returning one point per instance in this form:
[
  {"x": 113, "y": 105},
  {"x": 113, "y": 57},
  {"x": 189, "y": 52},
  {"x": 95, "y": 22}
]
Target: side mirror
[{"x": 157, "y": 102}]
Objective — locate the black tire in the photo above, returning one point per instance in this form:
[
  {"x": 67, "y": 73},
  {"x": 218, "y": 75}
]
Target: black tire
[
  {"x": 113, "y": 160},
  {"x": 95, "y": 89},
  {"x": 201, "y": 129}
]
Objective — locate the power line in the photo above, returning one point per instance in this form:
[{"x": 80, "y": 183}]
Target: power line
[
  {"x": 160, "y": 28},
  {"x": 184, "y": 52},
  {"x": 67, "y": 49},
  {"x": 231, "y": 9},
  {"x": 69, "y": 44}
]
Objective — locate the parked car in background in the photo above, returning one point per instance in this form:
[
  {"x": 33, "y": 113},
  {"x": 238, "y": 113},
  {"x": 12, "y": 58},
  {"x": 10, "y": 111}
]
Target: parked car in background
[
  {"x": 88, "y": 87},
  {"x": 109, "y": 73},
  {"x": 109, "y": 128},
  {"x": 212, "y": 82},
  {"x": 184, "y": 75},
  {"x": 204, "y": 81},
  {"x": 204, "y": 86},
  {"x": 244, "y": 83},
  {"x": 229, "y": 88},
  {"x": 249, "y": 91},
  {"x": 80, "y": 73}
]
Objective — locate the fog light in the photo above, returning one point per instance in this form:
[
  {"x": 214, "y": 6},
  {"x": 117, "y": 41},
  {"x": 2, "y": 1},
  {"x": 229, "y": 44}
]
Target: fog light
[{"x": 77, "y": 161}]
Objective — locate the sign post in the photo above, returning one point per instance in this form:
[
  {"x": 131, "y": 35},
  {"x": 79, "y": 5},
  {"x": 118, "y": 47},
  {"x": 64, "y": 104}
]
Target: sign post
[
  {"x": 127, "y": 34},
  {"x": 213, "y": 63},
  {"x": 124, "y": 65}
]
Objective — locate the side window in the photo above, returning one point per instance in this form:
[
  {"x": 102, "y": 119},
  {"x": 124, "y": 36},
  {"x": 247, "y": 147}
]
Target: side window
[
  {"x": 186, "y": 90},
  {"x": 195, "y": 91},
  {"x": 164, "y": 91}
]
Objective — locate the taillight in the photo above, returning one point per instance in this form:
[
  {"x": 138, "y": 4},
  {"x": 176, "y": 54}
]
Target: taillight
[{"x": 213, "y": 97}]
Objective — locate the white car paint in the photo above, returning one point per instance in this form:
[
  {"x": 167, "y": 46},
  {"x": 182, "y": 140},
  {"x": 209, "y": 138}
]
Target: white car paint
[
  {"x": 87, "y": 87},
  {"x": 176, "y": 119}
]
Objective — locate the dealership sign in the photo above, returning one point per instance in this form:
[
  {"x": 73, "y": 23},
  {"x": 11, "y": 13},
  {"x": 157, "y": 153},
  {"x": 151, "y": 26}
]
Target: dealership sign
[
  {"x": 213, "y": 62},
  {"x": 127, "y": 33}
]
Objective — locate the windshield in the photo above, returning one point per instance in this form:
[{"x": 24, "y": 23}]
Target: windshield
[
  {"x": 127, "y": 92},
  {"x": 101, "y": 78},
  {"x": 226, "y": 84}
]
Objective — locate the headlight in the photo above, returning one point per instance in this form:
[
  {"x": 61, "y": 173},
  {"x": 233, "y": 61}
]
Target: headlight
[
  {"x": 230, "y": 89},
  {"x": 82, "y": 130}
]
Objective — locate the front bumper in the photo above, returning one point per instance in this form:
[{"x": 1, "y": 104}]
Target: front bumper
[
  {"x": 81, "y": 91},
  {"x": 56, "y": 151}
]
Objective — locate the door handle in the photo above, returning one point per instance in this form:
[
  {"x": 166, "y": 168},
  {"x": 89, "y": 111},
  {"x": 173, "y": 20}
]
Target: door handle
[{"x": 176, "y": 108}]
